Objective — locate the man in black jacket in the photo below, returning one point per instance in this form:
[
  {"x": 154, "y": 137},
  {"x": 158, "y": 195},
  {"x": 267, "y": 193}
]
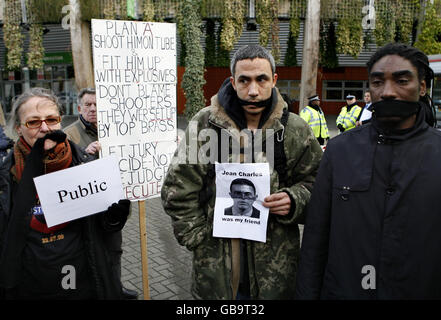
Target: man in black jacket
[{"x": 372, "y": 227}]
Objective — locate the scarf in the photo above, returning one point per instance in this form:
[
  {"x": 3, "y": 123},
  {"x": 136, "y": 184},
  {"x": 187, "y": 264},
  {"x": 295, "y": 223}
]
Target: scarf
[{"x": 58, "y": 158}]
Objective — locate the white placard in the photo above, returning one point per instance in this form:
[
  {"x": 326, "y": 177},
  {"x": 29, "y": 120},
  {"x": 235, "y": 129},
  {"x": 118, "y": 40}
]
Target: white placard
[
  {"x": 79, "y": 191},
  {"x": 135, "y": 78},
  {"x": 240, "y": 192}
]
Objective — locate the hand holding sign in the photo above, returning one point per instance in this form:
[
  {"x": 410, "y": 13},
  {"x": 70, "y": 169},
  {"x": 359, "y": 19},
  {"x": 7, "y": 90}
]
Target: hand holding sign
[
  {"x": 116, "y": 215},
  {"x": 79, "y": 191},
  {"x": 278, "y": 203},
  {"x": 93, "y": 147}
]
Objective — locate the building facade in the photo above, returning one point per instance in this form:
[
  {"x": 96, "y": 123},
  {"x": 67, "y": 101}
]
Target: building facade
[{"x": 58, "y": 74}]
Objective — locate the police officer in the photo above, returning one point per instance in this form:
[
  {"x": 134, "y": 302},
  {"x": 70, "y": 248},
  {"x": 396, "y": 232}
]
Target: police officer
[
  {"x": 314, "y": 116},
  {"x": 349, "y": 114}
]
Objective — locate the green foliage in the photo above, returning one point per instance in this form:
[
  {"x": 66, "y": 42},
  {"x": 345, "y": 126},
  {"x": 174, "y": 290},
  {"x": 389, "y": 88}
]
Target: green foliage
[
  {"x": 47, "y": 11},
  {"x": 275, "y": 41},
  {"x": 107, "y": 9},
  {"x": 267, "y": 12},
  {"x": 294, "y": 32},
  {"x": 291, "y": 52},
  {"x": 148, "y": 9},
  {"x": 210, "y": 43},
  {"x": 349, "y": 36},
  {"x": 328, "y": 53},
  {"x": 394, "y": 21},
  {"x": 181, "y": 33},
  {"x": 429, "y": 40},
  {"x": 13, "y": 39},
  {"x": 12, "y": 36},
  {"x": 36, "y": 49},
  {"x": 385, "y": 24},
  {"x": 193, "y": 79},
  {"x": 263, "y": 18},
  {"x": 223, "y": 55},
  {"x": 90, "y": 10},
  {"x": 232, "y": 20},
  {"x": 404, "y": 25},
  {"x": 294, "y": 27}
]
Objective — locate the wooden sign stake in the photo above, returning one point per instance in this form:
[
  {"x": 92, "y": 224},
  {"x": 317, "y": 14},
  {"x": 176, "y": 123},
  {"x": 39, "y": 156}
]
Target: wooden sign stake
[{"x": 143, "y": 240}]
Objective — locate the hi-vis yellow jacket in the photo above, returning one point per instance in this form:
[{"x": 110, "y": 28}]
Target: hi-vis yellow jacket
[
  {"x": 348, "y": 118},
  {"x": 316, "y": 120}
]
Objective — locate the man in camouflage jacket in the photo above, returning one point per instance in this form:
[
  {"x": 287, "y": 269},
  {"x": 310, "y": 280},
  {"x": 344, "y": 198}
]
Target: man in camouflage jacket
[{"x": 226, "y": 268}]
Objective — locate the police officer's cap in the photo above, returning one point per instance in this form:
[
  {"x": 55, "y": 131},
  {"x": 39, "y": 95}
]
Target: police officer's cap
[
  {"x": 350, "y": 97},
  {"x": 314, "y": 98}
]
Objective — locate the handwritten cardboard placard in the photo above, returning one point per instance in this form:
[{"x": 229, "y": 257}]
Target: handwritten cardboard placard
[
  {"x": 135, "y": 77},
  {"x": 79, "y": 191}
]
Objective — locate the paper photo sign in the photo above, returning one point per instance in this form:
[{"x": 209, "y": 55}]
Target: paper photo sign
[
  {"x": 79, "y": 191},
  {"x": 240, "y": 192}
]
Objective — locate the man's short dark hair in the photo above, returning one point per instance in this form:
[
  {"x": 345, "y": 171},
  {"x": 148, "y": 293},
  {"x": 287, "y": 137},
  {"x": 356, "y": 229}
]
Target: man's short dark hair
[
  {"x": 241, "y": 181},
  {"x": 418, "y": 59},
  {"x": 252, "y": 51},
  {"x": 83, "y": 92}
]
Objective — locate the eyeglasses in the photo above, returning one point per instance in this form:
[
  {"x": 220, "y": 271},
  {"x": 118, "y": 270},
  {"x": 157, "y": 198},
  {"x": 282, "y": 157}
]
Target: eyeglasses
[
  {"x": 36, "y": 123},
  {"x": 242, "y": 195}
]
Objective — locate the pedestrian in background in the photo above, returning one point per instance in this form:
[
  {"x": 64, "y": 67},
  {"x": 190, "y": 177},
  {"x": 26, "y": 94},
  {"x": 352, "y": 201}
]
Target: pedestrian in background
[
  {"x": 6, "y": 143},
  {"x": 349, "y": 114},
  {"x": 315, "y": 118},
  {"x": 83, "y": 131},
  {"x": 366, "y": 113}
]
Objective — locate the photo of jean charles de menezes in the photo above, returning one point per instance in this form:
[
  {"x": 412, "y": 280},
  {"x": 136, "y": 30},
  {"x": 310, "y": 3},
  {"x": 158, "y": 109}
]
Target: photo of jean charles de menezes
[{"x": 243, "y": 193}]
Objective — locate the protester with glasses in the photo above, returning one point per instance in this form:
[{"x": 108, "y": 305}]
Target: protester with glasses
[
  {"x": 84, "y": 133},
  {"x": 33, "y": 256}
]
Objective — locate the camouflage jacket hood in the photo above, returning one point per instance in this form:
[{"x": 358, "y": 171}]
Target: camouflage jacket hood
[{"x": 272, "y": 265}]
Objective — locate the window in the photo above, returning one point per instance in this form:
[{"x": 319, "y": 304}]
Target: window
[
  {"x": 58, "y": 78},
  {"x": 338, "y": 90},
  {"x": 290, "y": 87}
]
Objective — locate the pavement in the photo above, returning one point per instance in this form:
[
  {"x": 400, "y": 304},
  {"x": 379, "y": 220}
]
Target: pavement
[{"x": 169, "y": 264}]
